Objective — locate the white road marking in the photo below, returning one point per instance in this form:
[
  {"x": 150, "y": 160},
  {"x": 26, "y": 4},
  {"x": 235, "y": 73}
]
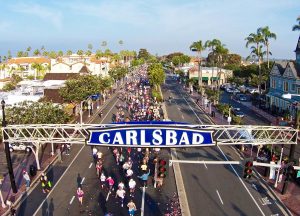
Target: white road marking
[
  {"x": 220, "y": 197},
  {"x": 40, "y": 206},
  {"x": 201, "y": 122},
  {"x": 58, "y": 181},
  {"x": 82, "y": 180},
  {"x": 205, "y": 165},
  {"x": 257, "y": 205},
  {"x": 182, "y": 116},
  {"x": 261, "y": 211},
  {"x": 72, "y": 200},
  {"x": 90, "y": 165},
  {"x": 143, "y": 201}
]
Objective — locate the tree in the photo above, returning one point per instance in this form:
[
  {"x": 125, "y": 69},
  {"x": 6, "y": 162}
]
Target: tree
[
  {"x": 121, "y": 42},
  {"x": 45, "y": 53},
  {"x": 297, "y": 26},
  {"x": 80, "y": 88},
  {"x": 99, "y": 54},
  {"x": 233, "y": 59},
  {"x": 88, "y": 53},
  {"x": 156, "y": 75},
  {"x": 69, "y": 52},
  {"x": 104, "y": 44},
  {"x": 60, "y": 53},
  {"x": 267, "y": 35},
  {"x": 143, "y": 53},
  {"x": 212, "y": 55},
  {"x": 221, "y": 53},
  {"x": 20, "y": 54},
  {"x": 90, "y": 47},
  {"x": 118, "y": 72},
  {"x": 39, "y": 68},
  {"x": 28, "y": 49},
  {"x": 9, "y": 54},
  {"x": 199, "y": 48},
  {"x": 52, "y": 54},
  {"x": 36, "y": 52},
  {"x": 28, "y": 112},
  {"x": 256, "y": 52},
  {"x": 80, "y": 53}
]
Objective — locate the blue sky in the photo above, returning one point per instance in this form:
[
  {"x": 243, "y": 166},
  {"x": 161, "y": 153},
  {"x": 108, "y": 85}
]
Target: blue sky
[{"x": 161, "y": 26}]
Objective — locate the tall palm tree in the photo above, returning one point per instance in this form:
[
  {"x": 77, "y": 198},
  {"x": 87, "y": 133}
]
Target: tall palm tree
[
  {"x": 221, "y": 53},
  {"x": 198, "y": 47},
  {"x": 36, "y": 52},
  {"x": 69, "y": 52},
  {"x": 297, "y": 27},
  {"x": 212, "y": 46},
  {"x": 256, "y": 39},
  {"x": 258, "y": 53},
  {"x": 267, "y": 35},
  {"x": 38, "y": 69},
  {"x": 104, "y": 44}
]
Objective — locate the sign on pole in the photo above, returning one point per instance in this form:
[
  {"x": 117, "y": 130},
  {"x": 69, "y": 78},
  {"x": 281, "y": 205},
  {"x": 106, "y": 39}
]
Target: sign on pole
[{"x": 150, "y": 136}]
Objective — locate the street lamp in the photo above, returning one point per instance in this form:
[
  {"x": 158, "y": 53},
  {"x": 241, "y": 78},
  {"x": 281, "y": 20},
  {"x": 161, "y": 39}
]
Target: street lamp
[{"x": 7, "y": 152}]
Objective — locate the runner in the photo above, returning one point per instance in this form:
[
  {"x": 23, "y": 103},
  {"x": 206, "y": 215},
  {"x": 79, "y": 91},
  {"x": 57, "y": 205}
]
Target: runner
[
  {"x": 80, "y": 194},
  {"x": 102, "y": 180},
  {"x": 131, "y": 208},
  {"x": 121, "y": 194},
  {"x": 111, "y": 183},
  {"x": 131, "y": 185}
]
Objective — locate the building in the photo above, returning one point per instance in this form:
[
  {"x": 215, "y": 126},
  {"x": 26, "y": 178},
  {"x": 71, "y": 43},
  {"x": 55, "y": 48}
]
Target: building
[
  {"x": 284, "y": 79},
  {"x": 78, "y": 64},
  {"x": 26, "y": 66},
  {"x": 210, "y": 75}
]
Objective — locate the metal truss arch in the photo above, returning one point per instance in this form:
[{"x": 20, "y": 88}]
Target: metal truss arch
[{"x": 78, "y": 133}]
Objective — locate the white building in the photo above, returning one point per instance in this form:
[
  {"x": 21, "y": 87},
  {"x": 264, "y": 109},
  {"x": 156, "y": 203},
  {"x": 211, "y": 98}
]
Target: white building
[
  {"x": 80, "y": 64},
  {"x": 23, "y": 66},
  {"x": 210, "y": 75}
]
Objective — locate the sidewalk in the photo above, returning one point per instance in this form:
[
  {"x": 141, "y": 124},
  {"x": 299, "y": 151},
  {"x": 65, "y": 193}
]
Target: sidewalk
[
  {"x": 291, "y": 199},
  {"x": 46, "y": 160}
]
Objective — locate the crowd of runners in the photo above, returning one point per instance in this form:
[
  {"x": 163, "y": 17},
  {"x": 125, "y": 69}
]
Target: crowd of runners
[{"x": 136, "y": 165}]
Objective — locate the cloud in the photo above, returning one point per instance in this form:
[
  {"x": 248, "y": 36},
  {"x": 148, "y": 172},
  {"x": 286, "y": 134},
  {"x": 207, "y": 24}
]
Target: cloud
[{"x": 45, "y": 13}]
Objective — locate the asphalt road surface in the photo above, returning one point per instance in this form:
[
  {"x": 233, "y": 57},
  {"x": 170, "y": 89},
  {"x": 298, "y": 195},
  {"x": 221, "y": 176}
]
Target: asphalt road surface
[
  {"x": 215, "y": 189},
  {"x": 79, "y": 169}
]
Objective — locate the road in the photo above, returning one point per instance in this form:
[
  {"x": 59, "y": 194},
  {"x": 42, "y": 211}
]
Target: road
[
  {"x": 214, "y": 189},
  {"x": 250, "y": 118},
  {"x": 79, "y": 169}
]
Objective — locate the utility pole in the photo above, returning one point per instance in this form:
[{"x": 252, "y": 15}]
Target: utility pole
[{"x": 7, "y": 152}]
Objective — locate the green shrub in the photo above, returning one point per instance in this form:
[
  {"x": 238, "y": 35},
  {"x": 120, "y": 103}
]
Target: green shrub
[{"x": 9, "y": 86}]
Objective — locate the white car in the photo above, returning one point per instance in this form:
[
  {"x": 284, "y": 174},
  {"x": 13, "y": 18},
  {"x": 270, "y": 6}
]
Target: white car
[{"x": 19, "y": 147}]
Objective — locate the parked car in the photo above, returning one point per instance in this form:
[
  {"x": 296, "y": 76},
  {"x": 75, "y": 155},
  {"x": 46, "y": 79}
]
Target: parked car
[
  {"x": 229, "y": 90},
  {"x": 19, "y": 147},
  {"x": 242, "y": 97},
  {"x": 237, "y": 112},
  {"x": 252, "y": 90}
]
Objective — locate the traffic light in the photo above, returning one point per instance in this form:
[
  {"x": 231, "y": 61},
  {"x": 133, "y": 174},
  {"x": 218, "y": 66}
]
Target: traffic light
[
  {"x": 248, "y": 169},
  {"x": 162, "y": 168}
]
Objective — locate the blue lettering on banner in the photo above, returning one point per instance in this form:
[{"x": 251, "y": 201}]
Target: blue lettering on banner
[{"x": 147, "y": 136}]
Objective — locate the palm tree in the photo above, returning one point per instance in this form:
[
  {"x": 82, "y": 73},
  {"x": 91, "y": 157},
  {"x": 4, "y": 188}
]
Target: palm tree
[
  {"x": 104, "y": 44},
  {"x": 36, "y": 52},
  {"x": 38, "y": 68},
  {"x": 221, "y": 53},
  {"x": 267, "y": 34},
  {"x": 297, "y": 27},
  {"x": 212, "y": 45},
  {"x": 90, "y": 47},
  {"x": 69, "y": 52},
  {"x": 198, "y": 47},
  {"x": 256, "y": 51},
  {"x": 80, "y": 53}
]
